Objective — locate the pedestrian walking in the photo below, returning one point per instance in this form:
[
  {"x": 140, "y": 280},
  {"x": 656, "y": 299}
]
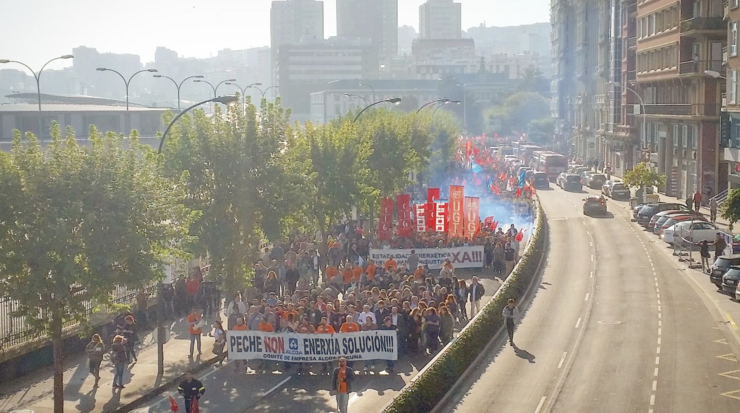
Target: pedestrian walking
[
  {"x": 713, "y": 210},
  {"x": 341, "y": 384},
  {"x": 719, "y": 246},
  {"x": 95, "y": 350},
  {"x": 195, "y": 324},
  {"x": 219, "y": 341},
  {"x": 690, "y": 202},
  {"x": 697, "y": 200},
  {"x": 129, "y": 330},
  {"x": 475, "y": 293},
  {"x": 510, "y": 313},
  {"x": 118, "y": 358},
  {"x": 191, "y": 390},
  {"x": 704, "y": 253}
]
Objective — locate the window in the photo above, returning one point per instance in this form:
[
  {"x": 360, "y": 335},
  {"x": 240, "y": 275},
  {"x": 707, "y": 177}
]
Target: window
[
  {"x": 732, "y": 86},
  {"x": 733, "y": 39},
  {"x": 675, "y": 136},
  {"x": 685, "y": 137},
  {"x": 735, "y": 4},
  {"x": 651, "y": 25}
]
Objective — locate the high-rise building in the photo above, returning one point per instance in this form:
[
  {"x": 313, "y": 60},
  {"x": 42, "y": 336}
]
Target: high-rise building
[
  {"x": 290, "y": 22},
  {"x": 440, "y": 19},
  {"x": 730, "y": 125},
  {"x": 373, "y": 20}
]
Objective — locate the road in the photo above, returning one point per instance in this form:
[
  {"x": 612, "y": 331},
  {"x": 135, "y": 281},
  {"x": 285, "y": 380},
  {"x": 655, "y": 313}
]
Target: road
[{"x": 617, "y": 325}]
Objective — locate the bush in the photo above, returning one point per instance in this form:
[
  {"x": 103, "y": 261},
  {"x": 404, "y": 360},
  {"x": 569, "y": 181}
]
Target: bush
[{"x": 430, "y": 386}]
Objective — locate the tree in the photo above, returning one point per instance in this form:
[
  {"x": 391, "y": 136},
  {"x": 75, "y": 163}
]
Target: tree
[
  {"x": 235, "y": 172},
  {"x": 77, "y": 222},
  {"x": 531, "y": 80},
  {"x": 641, "y": 176},
  {"x": 731, "y": 207},
  {"x": 541, "y": 130},
  {"x": 517, "y": 111}
]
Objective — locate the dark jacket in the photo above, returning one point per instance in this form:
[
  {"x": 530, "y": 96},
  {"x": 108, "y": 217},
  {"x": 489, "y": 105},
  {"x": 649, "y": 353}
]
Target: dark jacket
[
  {"x": 335, "y": 320},
  {"x": 350, "y": 378},
  {"x": 381, "y": 315},
  {"x": 191, "y": 389},
  {"x": 479, "y": 291}
]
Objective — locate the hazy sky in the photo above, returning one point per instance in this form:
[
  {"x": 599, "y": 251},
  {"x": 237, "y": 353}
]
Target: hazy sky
[{"x": 33, "y": 31}]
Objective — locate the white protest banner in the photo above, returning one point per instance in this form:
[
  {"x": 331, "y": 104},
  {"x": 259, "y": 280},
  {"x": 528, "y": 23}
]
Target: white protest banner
[
  {"x": 312, "y": 348},
  {"x": 461, "y": 257}
]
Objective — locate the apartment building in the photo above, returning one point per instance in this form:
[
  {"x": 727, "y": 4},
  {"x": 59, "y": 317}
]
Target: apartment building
[
  {"x": 440, "y": 19},
  {"x": 679, "y": 58},
  {"x": 625, "y": 148},
  {"x": 730, "y": 99},
  {"x": 584, "y": 103},
  {"x": 375, "y": 20}
]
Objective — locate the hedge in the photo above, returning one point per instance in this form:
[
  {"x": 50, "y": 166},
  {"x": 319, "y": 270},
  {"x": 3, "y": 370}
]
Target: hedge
[{"x": 431, "y": 385}]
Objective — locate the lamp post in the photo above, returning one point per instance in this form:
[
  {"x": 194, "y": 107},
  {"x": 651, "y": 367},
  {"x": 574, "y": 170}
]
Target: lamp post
[
  {"x": 126, "y": 82},
  {"x": 37, "y": 76},
  {"x": 644, "y": 130},
  {"x": 179, "y": 85},
  {"x": 434, "y": 102},
  {"x": 349, "y": 95},
  {"x": 371, "y": 88},
  {"x": 224, "y": 100},
  {"x": 456, "y": 102},
  {"x": 264, "y": 91},
  {"x": 395, "y": 101},
  {"x": 243, "y": 90}
]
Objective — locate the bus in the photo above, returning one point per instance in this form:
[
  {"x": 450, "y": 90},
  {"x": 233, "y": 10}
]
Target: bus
[
  {"x": 549, "y": 162},
  {"x": 525, "y": 153}
]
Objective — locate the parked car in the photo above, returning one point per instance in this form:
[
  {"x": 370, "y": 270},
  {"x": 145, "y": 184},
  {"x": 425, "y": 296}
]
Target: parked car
[
  {"x": 672, "y": 221},
  {"x": 737, "y": 293},
  {"x": 617, "y": 190},
  {"x": 540, "y": 180},
  {"x": 720, "y": 267},
  {"x": 637, "y": 209},
  {"x": 730, "y": 280},
  {"x": 662, "y": 214},
  {"x": 694, "y": 232},
  {"x": 574, "y": 168},
  {"x": 571, "y": 182},
  {"x": 594, "y": 205},
  {"x": 595, "y": 181},
  {"x": 647, "y": 212}
]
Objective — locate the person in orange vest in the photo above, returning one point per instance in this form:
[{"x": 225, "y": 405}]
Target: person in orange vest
[
  {"x": 342, "y": 384},
  {"x": 325, "y": 328},
  {"x": 195, "y": 323},
  {"x": 390, "y": 265}
]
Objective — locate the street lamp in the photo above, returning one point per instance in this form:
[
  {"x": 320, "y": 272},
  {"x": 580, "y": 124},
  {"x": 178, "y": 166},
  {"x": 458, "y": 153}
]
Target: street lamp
[
  {"x": 456, "y": 102},
  {"x": 224, "y": 100},
  {"x": 644, "y": 130},
  {"x": 37, "y": 76},
  {"x": 179, "y": 85},
  {"x": 394, "y": 101},
  {"x": 371, "y": 88},
  {"x": 715, "y": 74},
  {"x": 349, "y": 95},
  {"x": 125, "y": 82},
  {"x": 264, "y": 91},
  {"x": 434, "y": 102}
]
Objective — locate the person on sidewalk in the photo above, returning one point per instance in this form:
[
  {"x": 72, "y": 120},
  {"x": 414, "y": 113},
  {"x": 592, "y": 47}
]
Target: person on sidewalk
[
  {"x": 129, "y": 330},
  {"x": 697, "y": 200},
  {"x": 118, "y": 358},
  {"x": 510, "y": 313},
  {"x": 95, "y": 350},
  {"x": 713, "y": 210},
  {"x": 476, "y": 293},
  {"x": 719, "y": 246},
  {"x": 341, "y": 384},
  {"x": 704, "y": 253},
  {"x": 195, "y": 325},
  {"x": 219, "y": 343},
  {"x": 191, "y": 390}
]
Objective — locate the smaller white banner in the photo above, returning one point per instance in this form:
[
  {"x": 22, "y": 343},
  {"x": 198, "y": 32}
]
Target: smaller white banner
[
  {"x": 312, "y": 348},
  {"x": 461, "y": 257}
]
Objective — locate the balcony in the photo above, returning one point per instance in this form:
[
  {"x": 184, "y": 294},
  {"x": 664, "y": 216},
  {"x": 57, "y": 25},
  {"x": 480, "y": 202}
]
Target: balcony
[
  {"x": 683, "y": 109},
  {"x": 631, "y": 76},
  {"x": 703, "y": 26},
  {"x": 697, "y": 67}
]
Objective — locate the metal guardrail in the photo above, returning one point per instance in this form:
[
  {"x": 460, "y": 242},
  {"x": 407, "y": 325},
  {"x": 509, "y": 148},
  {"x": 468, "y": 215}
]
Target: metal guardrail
[
  {"x": 16, "y": 332},
  {"x": 720, "y": 197}
]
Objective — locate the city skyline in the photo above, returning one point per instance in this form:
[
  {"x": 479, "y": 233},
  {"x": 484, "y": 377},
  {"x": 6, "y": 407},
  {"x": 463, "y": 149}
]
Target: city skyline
[{"x": 208, "y": 33}]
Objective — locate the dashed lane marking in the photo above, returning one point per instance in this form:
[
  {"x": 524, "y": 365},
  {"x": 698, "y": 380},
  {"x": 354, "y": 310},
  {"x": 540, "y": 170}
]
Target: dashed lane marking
[
  {"x": 657, "y": 351},
  {"x": 587, "y": 294},
  {"x": 656, "y": 372},
  {"x": 578, "y": 323},
  {"x": 655, "y": 384},
  {"x": 657, "y": 360},
  {"x": 722, "y": 341},
  {"x": 652, "y": 399},
  {"x": 562, "y": 360},
  {"x": 539, "y": 406}
]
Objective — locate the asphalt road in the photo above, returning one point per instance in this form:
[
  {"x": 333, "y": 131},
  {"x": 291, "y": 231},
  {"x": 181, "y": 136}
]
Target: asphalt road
[{"x": 617, "y": 325}]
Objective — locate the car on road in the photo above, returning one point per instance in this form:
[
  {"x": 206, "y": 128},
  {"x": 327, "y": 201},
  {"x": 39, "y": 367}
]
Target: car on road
[
  {"x": 730, "y": 280},
  {"x": 595, "y": 181},
  {"x": 737, "y": 293},
  {"x": 574, "y": 169},
  {"x": 529, "y": 175},
  {"x": 585, "y": 177},
  {"x": 570, "y": 182},
  {"x": 617, "y": 190},
  {"x": 605, "y": 187},
  {"x": 540, "y": 180},
  {"x": 647, "y": 212},
  {"x": 694, "y": 232},
  {"x": 720, "y": 267},
  {"x": 594, "y": 205}
]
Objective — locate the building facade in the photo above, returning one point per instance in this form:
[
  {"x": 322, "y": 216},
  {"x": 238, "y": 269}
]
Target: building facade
[
  {"x": 292, "y": 21},
  {"x": 440, "y": 19},
  {"x": 374, "y": 20},
  {"x": 730, "y": 126}
]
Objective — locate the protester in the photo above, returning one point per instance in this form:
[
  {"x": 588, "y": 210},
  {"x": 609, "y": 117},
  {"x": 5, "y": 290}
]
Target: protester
[
  {"x": 219, "y": 341},
  {"x": 95, "y": 351},
  {"x": 191, "y": 390},
  {"x": 195, "y": 327},
  {"x": 510, "y": 314},
  {"x": 475, "y": 294},
  {"x": 341, "y": 379},
  {"x": 118, "y": 358},
  {"x": 447, "y": 324}
]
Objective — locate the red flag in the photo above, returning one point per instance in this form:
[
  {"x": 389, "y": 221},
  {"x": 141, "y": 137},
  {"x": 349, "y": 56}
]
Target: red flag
[
  {"x": 385, "y": 219},
  {"x": 194, "y": 406},
  {"x": 519, "y": 192},
  {"x": 494, "y": 225},
  {"x": 173, "y": 404},
  {"x": 488, "y": 221},
  {"x": 520, "y": 235},
  {"x": 472, "y": 217}
]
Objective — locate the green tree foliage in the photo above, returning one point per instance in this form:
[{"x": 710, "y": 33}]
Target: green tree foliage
[
  {"x": 77, "y": 222},
  {"x": 541, "y": 130},
  {"x": 234, "y": 167},
  {"x": 731, "y": 207},
  {"x": 642, "y": 175},
  {"x": 531, "y": 80},
  {"x": 517, "y": 111}
]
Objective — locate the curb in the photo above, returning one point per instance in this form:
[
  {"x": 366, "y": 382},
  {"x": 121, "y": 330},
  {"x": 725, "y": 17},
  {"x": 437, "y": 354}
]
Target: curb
[{"x": 150, "y": 395}]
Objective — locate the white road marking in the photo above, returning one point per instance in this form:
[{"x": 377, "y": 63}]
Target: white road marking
[
  {"x": 591, "y": 244},
  {"x": 578, "y": 323},
  {"x": 657, "y": 360},
  {"x": 539, "y": 406},
  {"x": 586, "y": 297},
  {"x": 655, "y": 384},
  {"x": 659, "y": 308},
  {"x": 660, "y": 315},
  {"x": 277, "y": 386},
  {"x": 592, "y": 257},
  {"x": 592, "y": 275},
  {"x": 656, "y": 372},
  {"x": 658, "y": 302},
  {"x": 562, "y": 359},
  {"x": 652, "y": 400},
  {"x": 659, "y": 331},
  {"x": 659, "y": 340},
  {"x": 660, "y": 323},
  {"x": 658, "y": 350}
]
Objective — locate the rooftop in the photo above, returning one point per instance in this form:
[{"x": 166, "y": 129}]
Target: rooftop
[{"x": 19, "y": 108}]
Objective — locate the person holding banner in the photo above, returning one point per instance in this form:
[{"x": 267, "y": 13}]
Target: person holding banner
[
  {"x": 325, "y": 328},
  {"x": 341, "y": 384}
]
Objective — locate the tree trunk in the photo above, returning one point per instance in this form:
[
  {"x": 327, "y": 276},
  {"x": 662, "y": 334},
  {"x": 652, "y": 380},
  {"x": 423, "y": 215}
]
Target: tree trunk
[
  {"x": 57, "y": 343},
  {"x": 324, "y": 253}
]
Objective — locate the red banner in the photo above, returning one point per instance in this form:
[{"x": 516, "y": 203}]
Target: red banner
[
  {"x": 487, "y": 223},
  {"x": 433, "y": 194},
  {"x": 455, "y": 211},
  {"x": 472, "y": 217},
  {"x": 440, "y": 224},
  {"x": 421, "y": 217},
  {"x": 403, "y": 203},
  {"x": 385, "y": 219}
]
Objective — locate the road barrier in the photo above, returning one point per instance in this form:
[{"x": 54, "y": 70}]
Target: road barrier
[{"x": 433, "y": 382}]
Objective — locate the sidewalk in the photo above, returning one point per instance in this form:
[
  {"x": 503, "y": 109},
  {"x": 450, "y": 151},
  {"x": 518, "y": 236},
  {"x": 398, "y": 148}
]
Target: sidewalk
[{"x": 35, "y": 392}]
